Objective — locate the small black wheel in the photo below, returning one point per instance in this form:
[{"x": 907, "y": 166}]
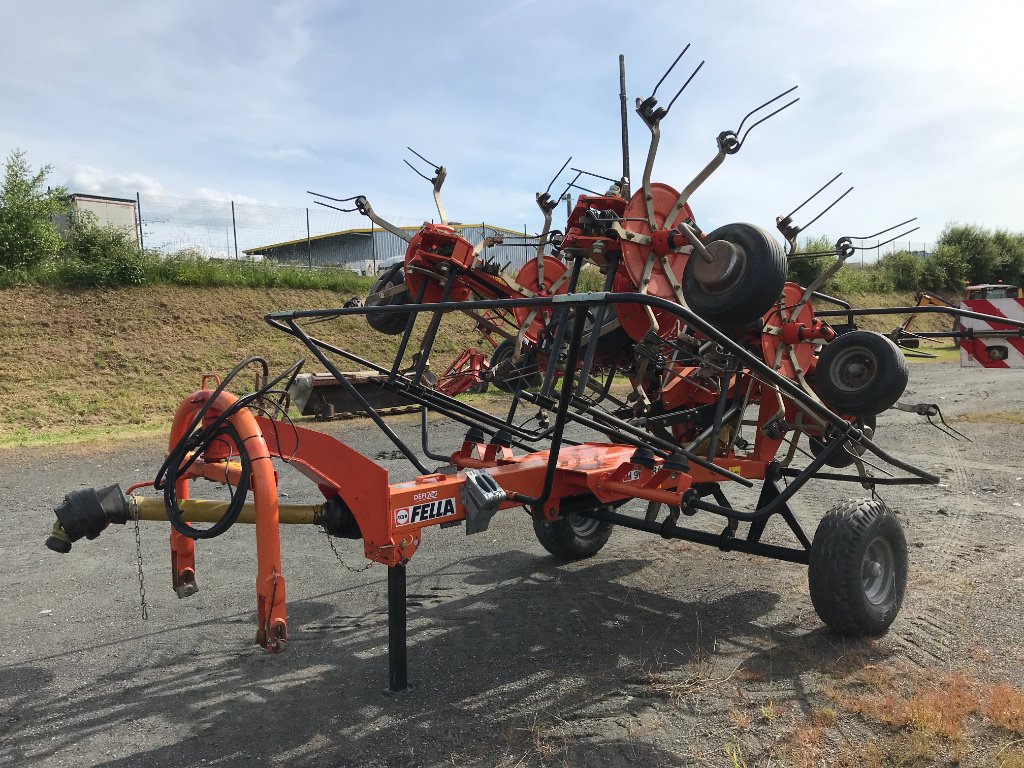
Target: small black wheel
[
  {"x": 391, "y": 323},
  {"x": 843, "y": 458},
  {"x": 861, "y": 373},
  {"x": 512, "y": 377},
  {"x": 858, "y": 568},
  {"x": 573, "y": 536},
  {"x": 743, "y": 281}
]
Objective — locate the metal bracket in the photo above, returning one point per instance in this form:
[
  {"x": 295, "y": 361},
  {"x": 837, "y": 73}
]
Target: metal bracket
[{"x": 481, "y": 496}]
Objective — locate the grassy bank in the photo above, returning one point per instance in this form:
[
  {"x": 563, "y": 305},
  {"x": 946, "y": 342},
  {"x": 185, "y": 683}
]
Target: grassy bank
[
  {"x": 76, "y": 364},
  {"x": 84, "y": 364}
]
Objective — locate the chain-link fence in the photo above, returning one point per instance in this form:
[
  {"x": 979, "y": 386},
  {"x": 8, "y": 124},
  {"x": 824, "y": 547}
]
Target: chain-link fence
[
  {"x": 319, "y": 236},
  {"x": 313, "y": 237}
]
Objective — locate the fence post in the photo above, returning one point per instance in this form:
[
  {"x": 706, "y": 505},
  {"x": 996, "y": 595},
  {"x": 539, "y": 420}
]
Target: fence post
[
  {"x": 309, "y": 245},
  {"x": 138, "y": 212},
  {"x": 234, "y": 229}
]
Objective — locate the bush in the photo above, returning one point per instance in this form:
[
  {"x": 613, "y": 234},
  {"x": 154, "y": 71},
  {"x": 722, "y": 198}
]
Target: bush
[
  {"x": 948, "y": 268},
  {"x": 904, "y": 269},
  {"x": 27, "y": 233},
  {"x": 93, "y": 256},
  {"x": 805, "y": 270}
]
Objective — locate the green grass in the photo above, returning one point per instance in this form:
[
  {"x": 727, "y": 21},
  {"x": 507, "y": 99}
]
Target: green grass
[{"x": 184, "y": 268}]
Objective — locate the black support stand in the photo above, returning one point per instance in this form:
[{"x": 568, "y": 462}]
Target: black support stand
[{"x": 398, "y": 668}]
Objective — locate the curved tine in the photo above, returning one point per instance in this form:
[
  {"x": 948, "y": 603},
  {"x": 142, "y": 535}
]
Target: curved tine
[
  {"x": 588, "y": 191},
  {"x": 766, "y": 117},
  {"x": 829, "y": 208},
  {"x": 435, "y": 166},
  {"x": 414, "y": 170},
  {"x": 595, "y": 175},
  {"x": 887, "y": 229},
  {"x": 805, "y": 202},
  {"x": 670, "y": 69},
  {"x": 555, "y": 177},
  {"x": 571, "y": 184},
  {"x": 879, "y": 245},
  {"x": 758, "y": 109},
  {"x": 334, "y": 207},
  {"x": 335, "y": 199},
  {"x": 693, "y": 75}
]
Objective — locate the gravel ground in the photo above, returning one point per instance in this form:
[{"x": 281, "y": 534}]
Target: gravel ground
[{"x": 650, "y": 653}]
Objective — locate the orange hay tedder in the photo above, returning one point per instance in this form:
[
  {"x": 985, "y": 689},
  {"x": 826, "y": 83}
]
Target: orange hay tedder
[{"x": 730, "y": 376}]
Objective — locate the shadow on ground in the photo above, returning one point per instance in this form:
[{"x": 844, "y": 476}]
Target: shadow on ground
[{"x": 501, "y": 662}]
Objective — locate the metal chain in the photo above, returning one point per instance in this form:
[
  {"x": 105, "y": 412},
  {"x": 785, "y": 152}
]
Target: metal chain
[
  {"x": 142, "y": 578},
  {"x": 337, "y": 554}
]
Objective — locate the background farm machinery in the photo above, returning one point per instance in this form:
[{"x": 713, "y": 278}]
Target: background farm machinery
[{"x": 731, "y": 377}]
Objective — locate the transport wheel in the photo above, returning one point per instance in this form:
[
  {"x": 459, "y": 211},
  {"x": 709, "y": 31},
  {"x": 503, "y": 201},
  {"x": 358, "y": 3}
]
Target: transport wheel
[
  {"x": 391, "y": 323},
  {"x": 744, "y": 280},
  {"x": 844, "y": 458},
  {"x": 512, "y": 377},
  {"x": 858, "y": 569},
  {"x": 573, "y": 536},
  {"x": 861, "y": 373}
]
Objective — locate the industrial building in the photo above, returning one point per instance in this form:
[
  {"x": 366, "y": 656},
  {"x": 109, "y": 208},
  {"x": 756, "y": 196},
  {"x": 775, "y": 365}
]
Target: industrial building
[{"x": 368, "y": 250}]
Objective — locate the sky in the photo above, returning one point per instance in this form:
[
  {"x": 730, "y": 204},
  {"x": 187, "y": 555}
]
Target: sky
[{"x": 919, "y": 104}]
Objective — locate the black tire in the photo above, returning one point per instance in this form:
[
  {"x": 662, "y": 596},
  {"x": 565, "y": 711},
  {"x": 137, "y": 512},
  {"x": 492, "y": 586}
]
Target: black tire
[
  {"x": 743, "y": 283},
  {"x": 391, "y": 323},
  {"x": 843, "y": 458},
  {"x": 861, "y": 373},
  {"x": 858, "y": 568},
  {"x": 512, "y": 378},
  {"x": 573, "y": 536}
]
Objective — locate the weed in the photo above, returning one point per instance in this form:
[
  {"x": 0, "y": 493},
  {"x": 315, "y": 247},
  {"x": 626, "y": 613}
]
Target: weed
[
  {"x": 1005, "y": 707},
  {"x": 768, "y": 713},
  {"x": 735, "y": 755}
]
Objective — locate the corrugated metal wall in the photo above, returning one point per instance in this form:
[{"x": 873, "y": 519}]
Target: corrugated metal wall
[{"x": 363, "y": 252}]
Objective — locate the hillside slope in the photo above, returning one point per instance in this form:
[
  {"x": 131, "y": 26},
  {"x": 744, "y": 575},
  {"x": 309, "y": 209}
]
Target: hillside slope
[
  {"x": 74, "y": 360},
  {"x": 79, "y": 362}
]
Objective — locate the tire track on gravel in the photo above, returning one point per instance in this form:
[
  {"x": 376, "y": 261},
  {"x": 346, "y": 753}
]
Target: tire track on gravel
[{"x": 947, "y": 546}]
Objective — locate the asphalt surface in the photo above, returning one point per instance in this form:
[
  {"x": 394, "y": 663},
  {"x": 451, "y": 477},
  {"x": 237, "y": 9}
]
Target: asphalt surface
[{"x": 629, "y": 658}]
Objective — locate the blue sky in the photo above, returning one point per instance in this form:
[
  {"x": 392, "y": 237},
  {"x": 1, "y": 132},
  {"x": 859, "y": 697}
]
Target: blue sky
[{"x": 921, "y": 104}]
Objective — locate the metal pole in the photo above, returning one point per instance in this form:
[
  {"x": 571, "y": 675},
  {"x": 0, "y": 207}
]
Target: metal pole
[
  {"x": 138, "y": 212},
  {"x": 234, "y": 229},
  {"x": 373, "y": 247},
  {"x": 398, "y": 662},
  {"x": 625, "y": 124},
  {"x": 309, "y": 247}
]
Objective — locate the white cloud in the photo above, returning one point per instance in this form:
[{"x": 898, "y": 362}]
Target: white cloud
[{"x": 95, "y": 181}]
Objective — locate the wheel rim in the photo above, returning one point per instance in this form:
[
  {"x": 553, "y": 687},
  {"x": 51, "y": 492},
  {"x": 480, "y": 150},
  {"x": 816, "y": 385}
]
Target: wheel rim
[
  {"x": 878, "y": 572},
  {"x": 583, "y": 527},
  {"x": 854, "y": 369}
]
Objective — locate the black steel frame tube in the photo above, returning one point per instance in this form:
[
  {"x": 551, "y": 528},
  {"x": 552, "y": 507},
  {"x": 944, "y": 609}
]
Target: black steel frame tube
[
  {"x": 398, "y": 650},
  {"x": 668, "y": 529},
  {"x": 595, "y": 331},
  {"x": 766, "y": 373},
  {"x": 564, "y": 398},
  {"x": 404, "y": 343}
]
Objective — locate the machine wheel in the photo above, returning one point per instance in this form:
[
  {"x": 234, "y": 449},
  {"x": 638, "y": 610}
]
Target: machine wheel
[
  {"x": 843, "y": 459},
  {"x": 573, "y": 536},
  {"x": 509, "y": 378},
  {"x": 858, "y": 568},
  {"x": 861, "y": 373},
  {"x": 391, "y": 323},
  {"x": 744, "y": 280}
]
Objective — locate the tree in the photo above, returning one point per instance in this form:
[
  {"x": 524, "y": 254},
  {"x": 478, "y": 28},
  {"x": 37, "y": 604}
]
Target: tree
[
  {"x": 27, "y": 232},
  {"x": 804, "y": 270}
]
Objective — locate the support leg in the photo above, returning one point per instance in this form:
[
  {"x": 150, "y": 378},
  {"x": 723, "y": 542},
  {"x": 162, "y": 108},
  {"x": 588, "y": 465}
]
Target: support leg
[{"x": 398, "y": 677}]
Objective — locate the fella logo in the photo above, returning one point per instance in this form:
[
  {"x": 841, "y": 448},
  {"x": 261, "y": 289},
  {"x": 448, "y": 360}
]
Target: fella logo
[{"x": 421, "y": 513}]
